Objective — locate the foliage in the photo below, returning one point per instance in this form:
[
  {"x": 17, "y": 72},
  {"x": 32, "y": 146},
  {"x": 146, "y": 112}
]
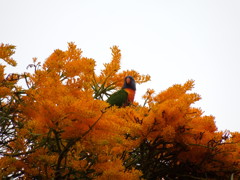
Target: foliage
[
  {"x": 60, "y": 127},
  {"x": 10, "y": 99},
  {"x": 179, "y": 141}
]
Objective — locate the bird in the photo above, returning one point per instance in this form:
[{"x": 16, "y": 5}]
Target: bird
[{"x": 124, "y": 96}]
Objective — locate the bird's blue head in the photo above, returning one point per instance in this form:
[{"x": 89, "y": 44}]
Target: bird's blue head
[{"x": 129, "y": 82}]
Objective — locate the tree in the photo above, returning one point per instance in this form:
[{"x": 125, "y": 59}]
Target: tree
[
  {"x": 60, "y": 126},
  {"x": 10, "y": 99},
  {"x": 180, "y": 142}
]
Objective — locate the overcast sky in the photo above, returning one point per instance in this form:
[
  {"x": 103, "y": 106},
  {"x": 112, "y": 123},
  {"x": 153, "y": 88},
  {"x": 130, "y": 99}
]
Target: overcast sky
[{"x": 171, "y": 40}]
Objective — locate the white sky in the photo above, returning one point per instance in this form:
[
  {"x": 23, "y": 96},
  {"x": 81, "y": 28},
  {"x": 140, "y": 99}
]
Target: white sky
[{"x": 171, "y": 40}]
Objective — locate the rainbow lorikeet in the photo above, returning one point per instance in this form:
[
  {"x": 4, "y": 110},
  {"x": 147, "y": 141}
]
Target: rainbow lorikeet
[{"x": 125, "y": 96}]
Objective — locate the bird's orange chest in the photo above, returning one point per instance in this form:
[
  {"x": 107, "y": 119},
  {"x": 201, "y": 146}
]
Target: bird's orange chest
[{"x": 131, "y": 94}]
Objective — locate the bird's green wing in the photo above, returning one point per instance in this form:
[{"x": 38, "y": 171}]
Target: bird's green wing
[{"x": 118, "y": 98}]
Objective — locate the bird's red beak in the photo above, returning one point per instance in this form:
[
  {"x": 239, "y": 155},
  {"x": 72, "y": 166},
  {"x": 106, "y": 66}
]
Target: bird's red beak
[{"x": 128, "y": 80}]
